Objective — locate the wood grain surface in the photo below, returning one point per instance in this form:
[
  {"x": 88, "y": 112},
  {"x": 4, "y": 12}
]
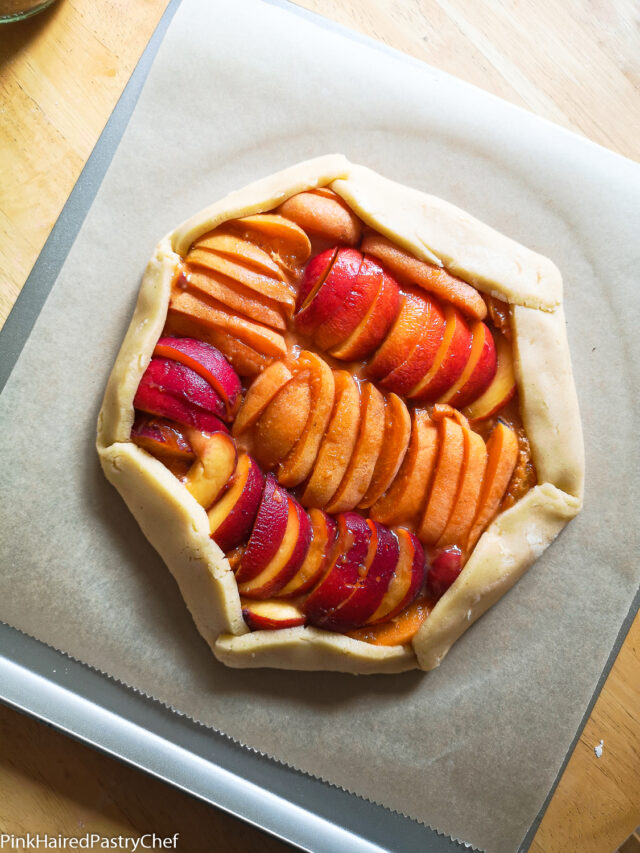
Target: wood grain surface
[{"x": 576, "y": 63}]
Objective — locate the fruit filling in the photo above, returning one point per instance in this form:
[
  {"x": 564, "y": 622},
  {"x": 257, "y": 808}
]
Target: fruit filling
[{"x": 345, "y": 412}]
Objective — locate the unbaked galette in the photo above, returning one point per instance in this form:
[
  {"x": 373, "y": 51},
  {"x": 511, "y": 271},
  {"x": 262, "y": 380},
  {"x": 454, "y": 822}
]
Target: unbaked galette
[{"x": 344, "y": 415}]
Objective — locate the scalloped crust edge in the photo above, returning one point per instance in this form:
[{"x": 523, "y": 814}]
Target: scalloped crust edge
[{"x": 436, "y": 231}]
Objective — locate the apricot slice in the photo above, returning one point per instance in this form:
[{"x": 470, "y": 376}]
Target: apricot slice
[
  {"x": 365, "y": 455},
  {"x": 283, "y": 421},
  {"x": 502, "y": 455},
  {"x": 262, "y": 390},
  {"x": 322, "y": 215},
  {"x": 400, "y": 630},
  {"x": 434, "y": 279},
  {"x": 397, "y": 432},
  {"x": 502, "y": 387},
  {"x": 445, "y": 481},
  {"x": 262, "y": 339},
  {"x": 238, "y": 298},
  {"x": 464, "y": 510},
  {"x": 285, "y": 241},
  {"x": 450, "y": 360},
  {"x": 297, "y": 466},
  {"x": 421, "y": 358},
  {"x": 266, "y": 285},
  {"x": 245, "y": 250},
  {"x": 245, "y": 360},
  {"x": 402, "y": 337},
  {"x": 478, "y": 371},
  {"x": 404, "y": 500},
  {"x": 338, "y": 444}
]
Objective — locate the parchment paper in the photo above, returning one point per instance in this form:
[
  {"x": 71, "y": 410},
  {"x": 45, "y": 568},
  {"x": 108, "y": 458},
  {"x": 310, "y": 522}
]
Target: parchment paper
[{"x": 237, "y": 91}]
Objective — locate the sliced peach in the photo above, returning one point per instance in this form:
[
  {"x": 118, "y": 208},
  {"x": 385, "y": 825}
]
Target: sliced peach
[
  {"x": 288, "y": 559},
  {"x": 397, "y": 432},
  {"x": 324, "y": 535},
  {"x": 327, "y": 217},
  {"x": 244, "y": 250},
  {"x": 232, "y": 516},
  {"x": 446, "y": 481},
  {"x": 365, "y": 455},
  {"x": 443, "y": 571},
  {"x": 338, "y": 443},
  {"x": 271, "y": 614},
  {"x": 244, "y": 359},
  {"x": 421, "y": 358},
  {"x": 216, "y": 459},
  {"x": 285, "y": 241},
  {"x": 400, "y": 630},
  {"x": 297, "y": 466},
  {"x": 283, "y": 421},
  {"x": 268, "y": 286},
  {"x": 407, "y": 579},
  {"x": 450, "y": 360},
  {"x": 328, "y": 298},
  {"x": 502, "y": 455},
  {"x": 478, "y": 371},
  {"x": 404, "y": 500},
  {"x": 262, "y": 339},
  {"x": 314, "y": 276},
  {"x": 262, "y": 390},
  {"x": 275, "y": 515},
  {"x": 402, "y": 337},
  {"x": 502, "y": 387},
  {"x": 434, "y": 279},
  {"x": 237, "y": 297},
  {"x": 464, "y": 510},
  {"x": 161, "y": 438},
  {"x": 371, "y": 330}
]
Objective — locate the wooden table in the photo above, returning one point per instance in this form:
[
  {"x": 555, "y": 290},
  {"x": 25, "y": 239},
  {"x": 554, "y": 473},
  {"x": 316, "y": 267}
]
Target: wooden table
[{"x": 576, "y": 63}]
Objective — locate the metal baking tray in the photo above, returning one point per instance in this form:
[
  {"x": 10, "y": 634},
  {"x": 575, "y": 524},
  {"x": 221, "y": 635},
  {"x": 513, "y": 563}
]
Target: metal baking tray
[{"x": 97, "y": 710}]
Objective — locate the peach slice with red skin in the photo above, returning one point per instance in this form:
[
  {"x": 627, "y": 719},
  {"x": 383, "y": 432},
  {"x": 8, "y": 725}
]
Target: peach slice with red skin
[
  {"x": 397, "y": 432},
  {"x": 326, "y": 286},
  {"x": 464, "y": 509},
  {"x": 323, "y": 215},
  {"x": 357, "y": 477},
  {"x": 400, "y": 630},
  {"x": 421, "y": 358},
  {"x": 216, "y": 459},
  {"x": 344, "y": 571},
  {"x": 407, "y": 579},
  {"x": 168, "y": 389},
  {"x": 370, "y": 589},
  {"x": 161, "y": 438},
  {"x": 282, "y": 423},
  {"x": 443, "y": 571},
  {"x": 337, "y": 445},
  {"x": 268, "y": 531},
  {"x": 446, "y": 479},
  {"x": 502, "y": 455},
  {"x": 209, "y": 363},
  {"x": 479, "y": 370},
  {"x": 261, "y": 392},
  {"x": 234, "y": 296},
  {"x": 287, "y": 560},
  {"x": 434, "y": 279},
  {"x": 404, "y": 500},
  {"x": 450, "y": 360},
  {"x": 297, "y": 466},
  {"x": 372, "y": 329},
  {"x": 502, "y": 387},
  {"x": 324, "y": 534},
  {"x": 271, "y": 614},
  {"x": 233, "y": 515}
]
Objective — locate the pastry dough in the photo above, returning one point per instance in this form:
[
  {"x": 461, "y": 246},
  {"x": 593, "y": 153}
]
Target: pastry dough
[{"x": 436, "y": 231}]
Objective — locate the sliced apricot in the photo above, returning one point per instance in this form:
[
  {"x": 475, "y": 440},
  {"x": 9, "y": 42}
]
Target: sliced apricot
[
  {"x": 365, "y": 455},
  {"x": 445, "y": 481},
  {"x": 323, "y": 215},
  {"x": 267, "y": 285},
  {"x": 397, "y": 433},
  {"x": 434, "y": 279},
  {"x": 450, "y": 360},
  {"x": 400, "y": 630},
  {"x": 402, "y": 337},
  {"x": 502, "y": 455},
  {"x": 338, "y": 444},
  {"x": 262, "y": 390},
  {"x": 297, "y": 466},
  {"x": 238, "y": 298},
  {"x": 464, "y": 510},
  {"x": 423, "y": 355},
  {"x": 283, "y": 421},
  {"x": 244, "y": 250},
  {"x": 404, "y": 500},
  {"x": 285, "y": 241}
]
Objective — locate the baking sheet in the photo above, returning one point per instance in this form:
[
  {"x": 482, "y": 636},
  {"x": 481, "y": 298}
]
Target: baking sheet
[{"x": 429, "y": 746}]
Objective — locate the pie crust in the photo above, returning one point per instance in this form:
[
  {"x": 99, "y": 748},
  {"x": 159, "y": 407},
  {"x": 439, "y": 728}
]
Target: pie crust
[{"x": 435, "y": 231}]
